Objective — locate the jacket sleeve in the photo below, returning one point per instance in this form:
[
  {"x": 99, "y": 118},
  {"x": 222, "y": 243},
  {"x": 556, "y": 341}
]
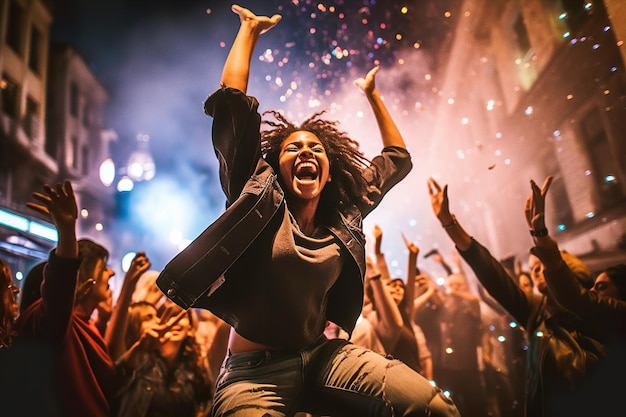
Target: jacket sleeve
[
  {"x": 236, "y": 137},
  {"x": 497, "y": 282},
  {"x": 385, "y": 171},
  {"x": 568, "y": 292}
]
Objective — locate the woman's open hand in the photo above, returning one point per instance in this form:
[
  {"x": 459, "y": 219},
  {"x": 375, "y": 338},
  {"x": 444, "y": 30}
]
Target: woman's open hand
[{"x": 264, "y": 23}]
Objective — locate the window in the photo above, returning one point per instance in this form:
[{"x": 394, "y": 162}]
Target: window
[
  {"x": 562, "y": 217},
  {"x": 8, "y": 95},
  {"x": 14, "y": 30},
  {"x": 52, "y": 146},
  {"x": 73, "y": 99},
  {"x": 521, "y": 34},
  {"x": 523, "y": 54},
  {"x": 73, "y": 159},
  {"x": 86, "y": 115},
  {"x": 603, "y": 167},
  {"x": 31, "y": 121},
  {"x": 34, "y": 56}
]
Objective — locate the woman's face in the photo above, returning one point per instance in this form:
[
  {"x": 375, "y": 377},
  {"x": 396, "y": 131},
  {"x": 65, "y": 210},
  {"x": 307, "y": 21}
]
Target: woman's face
[
  {"x": 147, "y": 316},
  {"x": 304, "y": 165},
  {"x": 456, "y": 283},
  {"x": 100, "y": 291},
  {"x": 525, "y": 284},
  {"x": 604, "y": 287},
  {"x": 179, "y": 331},
  {"x": 396, "y": 289}
]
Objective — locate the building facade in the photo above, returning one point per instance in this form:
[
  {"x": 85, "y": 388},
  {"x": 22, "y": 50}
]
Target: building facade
[
  {"x": 531, "y": 89},
  {"x": 51, "y": 128}
]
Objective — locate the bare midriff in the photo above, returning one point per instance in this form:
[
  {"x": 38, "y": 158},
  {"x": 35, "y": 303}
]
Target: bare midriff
[{"x": 237, "y": 344}]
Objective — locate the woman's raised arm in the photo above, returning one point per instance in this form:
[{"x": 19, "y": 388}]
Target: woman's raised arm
[{"x": 237, "y": 66}]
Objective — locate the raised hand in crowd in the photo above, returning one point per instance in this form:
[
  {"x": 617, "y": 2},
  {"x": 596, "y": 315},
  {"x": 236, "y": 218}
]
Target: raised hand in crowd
[
  {"x": 59, "y": 205},
  {"x": 119, "y": 318}
]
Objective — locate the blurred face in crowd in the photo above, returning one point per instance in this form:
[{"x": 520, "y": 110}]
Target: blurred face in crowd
[
  {"x": 396, "y": 289},
  {"x": 456, "y": 283},
  {"x": 101, "y": 290},
  {"x": 172, "y": 339},
  {"x": 536, "y": 273},
  {"x": 422, "y": 281},
  {"x": 141, "y": 318},
  {"x": 605, "y": 287},
  {"x": 179, "y": 331},
  {"x": 525, "y": 284},
  {"x": 147, "y": 315}
]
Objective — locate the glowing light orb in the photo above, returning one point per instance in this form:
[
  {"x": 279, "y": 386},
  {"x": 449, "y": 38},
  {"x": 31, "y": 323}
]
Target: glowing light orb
[{"x": 107, "y": 172}]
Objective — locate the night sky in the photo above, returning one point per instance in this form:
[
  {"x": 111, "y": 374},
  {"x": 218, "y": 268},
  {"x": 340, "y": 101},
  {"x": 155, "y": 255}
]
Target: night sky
[{"x": 160, "y": 59}]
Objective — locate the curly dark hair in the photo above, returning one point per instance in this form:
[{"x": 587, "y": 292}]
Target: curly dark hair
[{"x": 346, "y": 160}]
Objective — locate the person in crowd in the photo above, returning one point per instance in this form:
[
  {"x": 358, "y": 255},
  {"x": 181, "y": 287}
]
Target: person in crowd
[
  {"x": 462, "y": 335},
  {"x": 61, "y": 359},
  {"x": 116, "y": 330},
  {"x": 402, "y": 344},
  {"x": 427, "y": 310},
  {"x": 303, "y": 266},
  {"x": 501, "y": 344},
  {"x": 8, "y": 305},
  {"x": 611, "y": 283},
  {"x": 554, "y": 356},
  {"x": 163, "y": 372},
  {"x": 525, "y": 282},
  {"x": 603, "y": 306},
  {"x": 387, "y": 328}
]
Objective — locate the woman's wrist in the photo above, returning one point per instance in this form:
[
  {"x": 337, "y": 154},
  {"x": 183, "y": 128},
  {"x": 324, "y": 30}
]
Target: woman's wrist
[
  {"x": 449, "y": 223},
  {"x": 540, "y": 232}
]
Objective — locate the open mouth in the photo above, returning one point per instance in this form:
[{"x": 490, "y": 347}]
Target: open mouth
[{"x": 306, "y": 171}]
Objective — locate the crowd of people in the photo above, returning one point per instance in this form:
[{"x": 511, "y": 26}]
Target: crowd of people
[{"x": 290, "y": 314}]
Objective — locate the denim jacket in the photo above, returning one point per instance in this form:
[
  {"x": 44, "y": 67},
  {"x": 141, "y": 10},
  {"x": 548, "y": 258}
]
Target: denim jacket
[{"x": 199, "y": 275}]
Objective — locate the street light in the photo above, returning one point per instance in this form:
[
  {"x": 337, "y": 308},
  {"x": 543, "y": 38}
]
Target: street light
[{"x": 107, "y": 172}]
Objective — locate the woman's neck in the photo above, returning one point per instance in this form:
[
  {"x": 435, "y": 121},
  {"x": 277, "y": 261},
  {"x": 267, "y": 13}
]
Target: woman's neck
[{"x": 304, "y": 213}]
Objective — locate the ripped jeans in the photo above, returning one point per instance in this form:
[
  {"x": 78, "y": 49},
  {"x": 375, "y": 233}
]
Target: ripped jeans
[{"x": 331, "y": 378}]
